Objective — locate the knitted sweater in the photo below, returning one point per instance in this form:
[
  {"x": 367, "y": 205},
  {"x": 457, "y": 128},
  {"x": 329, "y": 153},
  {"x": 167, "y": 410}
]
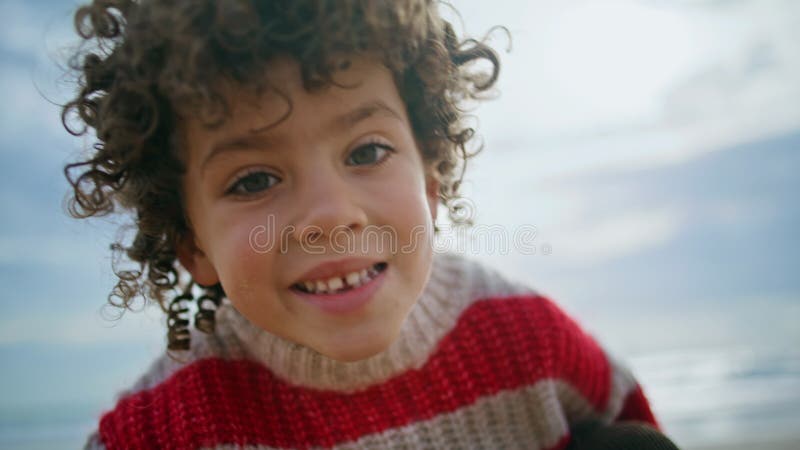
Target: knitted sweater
[{"x": 480, "y": 362}]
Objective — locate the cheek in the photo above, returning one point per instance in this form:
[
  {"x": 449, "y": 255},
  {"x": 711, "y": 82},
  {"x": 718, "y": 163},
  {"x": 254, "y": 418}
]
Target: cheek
[
  {"x": 411, "y": 219},
  {"x": 409, "y": 200},
  {"x": 407, "y": 210},
  {"x": 242, "y": 256}
]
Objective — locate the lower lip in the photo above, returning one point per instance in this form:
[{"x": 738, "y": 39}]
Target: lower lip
[{"x": 348, "y": 301}]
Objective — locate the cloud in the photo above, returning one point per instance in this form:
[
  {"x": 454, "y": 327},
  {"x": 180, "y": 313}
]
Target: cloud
[
  {"x": 34, "y": 31},
  {"x": 59, "y": 251},
  {"x": 28, "y": 119},
  {"x": 613, "y": 236},
  {"x": 584, "y": 107},
  {"x": 85, "y": 326},
  {"x": 749, "y": 95},
  {"x": 34, "y": 42}
]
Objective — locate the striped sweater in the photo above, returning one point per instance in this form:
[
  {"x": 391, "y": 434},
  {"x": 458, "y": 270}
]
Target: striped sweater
[{"x": 480, "y": 362}]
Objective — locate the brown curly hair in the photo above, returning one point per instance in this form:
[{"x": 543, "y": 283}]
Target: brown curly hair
[{"x": 145, "y": 64}]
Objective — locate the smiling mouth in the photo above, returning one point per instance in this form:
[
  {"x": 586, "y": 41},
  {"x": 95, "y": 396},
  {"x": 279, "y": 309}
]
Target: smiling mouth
[{"x": 343, "y": 283}]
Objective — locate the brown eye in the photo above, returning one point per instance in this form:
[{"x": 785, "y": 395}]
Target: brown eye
[
  {"x": 368, "y": 154},
  {"x": 253, "y": 183}
]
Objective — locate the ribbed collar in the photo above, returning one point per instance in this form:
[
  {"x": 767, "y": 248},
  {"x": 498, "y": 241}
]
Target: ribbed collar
[{"x": 436, "y": 312}]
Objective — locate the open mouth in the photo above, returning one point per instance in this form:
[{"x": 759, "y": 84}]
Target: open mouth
[{"x": 343, "y": 283}]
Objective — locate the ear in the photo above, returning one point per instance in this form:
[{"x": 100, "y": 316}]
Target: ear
[
  {"x": 432, "y": 192},
  {"x": 194, "y": 260}
]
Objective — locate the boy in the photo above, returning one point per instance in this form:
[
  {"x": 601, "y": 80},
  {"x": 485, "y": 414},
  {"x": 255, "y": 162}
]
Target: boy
[{"x": 290, "y": 157}]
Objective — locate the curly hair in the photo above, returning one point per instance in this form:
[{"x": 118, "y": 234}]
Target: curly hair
[{"x": 145, "y": 64}]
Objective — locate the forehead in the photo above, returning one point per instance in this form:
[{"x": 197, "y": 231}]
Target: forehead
[{"x": 285, "y": 107}]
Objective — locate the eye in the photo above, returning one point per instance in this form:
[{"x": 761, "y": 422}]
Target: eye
[
  {"x": 371, "y": 153},
  {"x": 252, "y": 183}
]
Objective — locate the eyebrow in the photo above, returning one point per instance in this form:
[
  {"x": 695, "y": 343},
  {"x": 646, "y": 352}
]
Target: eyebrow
[{"x": 254, "y": 140}]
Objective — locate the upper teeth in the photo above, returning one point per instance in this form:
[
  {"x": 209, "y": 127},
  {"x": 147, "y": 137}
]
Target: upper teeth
[{"x": 353, "y": 279}]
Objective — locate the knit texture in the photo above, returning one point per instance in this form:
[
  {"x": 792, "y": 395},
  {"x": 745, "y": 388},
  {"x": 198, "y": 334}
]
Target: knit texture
[
  {"x": 629, "y": 435},
  {"x": 480, "y": 362}
]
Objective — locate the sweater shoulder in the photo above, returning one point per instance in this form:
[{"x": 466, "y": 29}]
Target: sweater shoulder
[
  {"x": 203, "y": 346},
  {"x": 197, "y": 393},
  {"x": 169, "y": 365},
  {"x": 470, "y": 280},
  {"x": 547, "y": 343}
]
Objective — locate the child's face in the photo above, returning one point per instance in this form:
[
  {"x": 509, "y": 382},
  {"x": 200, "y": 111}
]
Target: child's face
[{"x": 343, "y": 163}]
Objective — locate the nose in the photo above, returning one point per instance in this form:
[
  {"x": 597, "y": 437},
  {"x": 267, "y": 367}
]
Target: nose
[{"x": 327, "y": 205}]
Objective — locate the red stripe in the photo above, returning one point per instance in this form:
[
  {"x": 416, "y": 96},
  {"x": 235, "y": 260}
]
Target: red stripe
[{"x": 496, "y": 345}]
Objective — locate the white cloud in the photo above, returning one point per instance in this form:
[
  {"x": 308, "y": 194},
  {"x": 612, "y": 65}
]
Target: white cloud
[
  {"x": 85, "y": 326},
  {"x": 614, "y": 236},
  {"x": 28, "y": 116},
  {"x": 35, "y": 43},
  {"x": 54, "y": 251},
  {"x": 633, "y": 84},
  {"x": 30, "y": 31}
]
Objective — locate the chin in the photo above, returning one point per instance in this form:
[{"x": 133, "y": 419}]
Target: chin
[{"x": 357, "y": 351}]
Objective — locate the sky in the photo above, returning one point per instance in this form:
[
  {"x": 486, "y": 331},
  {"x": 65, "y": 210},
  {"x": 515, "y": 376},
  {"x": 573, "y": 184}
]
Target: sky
[{"x": 653, "y": 145}]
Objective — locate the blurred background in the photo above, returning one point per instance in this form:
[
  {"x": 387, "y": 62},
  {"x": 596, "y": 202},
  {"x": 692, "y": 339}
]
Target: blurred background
[{"x": 653, "y": 144}]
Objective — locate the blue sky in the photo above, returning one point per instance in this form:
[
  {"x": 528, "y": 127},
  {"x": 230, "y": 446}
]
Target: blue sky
[{"x": 653, "y": 144}]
